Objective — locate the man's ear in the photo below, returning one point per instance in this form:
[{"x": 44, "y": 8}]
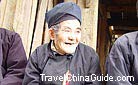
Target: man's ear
[{"x": 51, "y": 33}]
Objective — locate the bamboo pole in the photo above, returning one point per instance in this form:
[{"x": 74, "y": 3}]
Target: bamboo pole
[
  {"x": 8, "y": 13},
  {"x": 37, "y": 41},
  {"x": 2, "y": 11},
  {"x": 24, "y": 21},
  {"x": 46, "y": 35}
]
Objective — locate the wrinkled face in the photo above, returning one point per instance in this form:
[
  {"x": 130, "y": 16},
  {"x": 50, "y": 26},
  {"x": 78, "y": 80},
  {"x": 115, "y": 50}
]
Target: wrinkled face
[{"x": 67, "y": 37}]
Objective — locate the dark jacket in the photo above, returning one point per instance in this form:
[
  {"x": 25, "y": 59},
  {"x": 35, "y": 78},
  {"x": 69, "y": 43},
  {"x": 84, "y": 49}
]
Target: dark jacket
[
  {"x": 12, "y": 58},
  {"x": 84, "y": 62},
  {"x": 123, "y": 60}
]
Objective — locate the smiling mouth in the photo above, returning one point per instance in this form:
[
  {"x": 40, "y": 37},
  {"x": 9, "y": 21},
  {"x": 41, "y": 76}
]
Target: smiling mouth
[{"x": 69, "y": 43}]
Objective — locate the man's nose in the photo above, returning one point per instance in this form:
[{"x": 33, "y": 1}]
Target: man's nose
[{"x": 72, "y": 36}]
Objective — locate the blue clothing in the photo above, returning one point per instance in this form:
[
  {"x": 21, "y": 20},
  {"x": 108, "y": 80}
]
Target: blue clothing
[
  {"x": 123, "y": 60},
  {"x": 83, "y": 62},
  {"x": 12, "y": 58}
]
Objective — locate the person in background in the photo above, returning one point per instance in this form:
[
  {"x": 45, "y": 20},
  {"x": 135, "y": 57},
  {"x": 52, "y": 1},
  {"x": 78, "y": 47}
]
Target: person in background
[
  {"x": 64, "y": 56},
  {"x": 122, "y": 62},
  {"x": 12, "y": 58}
]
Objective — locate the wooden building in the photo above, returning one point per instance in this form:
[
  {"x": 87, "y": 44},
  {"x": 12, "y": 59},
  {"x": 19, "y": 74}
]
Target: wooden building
[
  {"x": 115, "y": 17},
  {"x": 27, "y": 17}
]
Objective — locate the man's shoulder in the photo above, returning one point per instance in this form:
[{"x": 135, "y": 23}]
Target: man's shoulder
[
  {"x": 87, "y": 53},
  {"x": 40, "y": 52},
  {"x": 127, "y": 38},
  {"x": 131, "y": 35},
  {"x": 42, "y": 48},
  {"x": 86, "y": 49},
  {"x": 7, "y": 34},
  {"x": 84, "y": 46}
]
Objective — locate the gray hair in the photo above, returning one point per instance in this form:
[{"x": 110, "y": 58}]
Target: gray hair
[{"x": 56, "y": 27}]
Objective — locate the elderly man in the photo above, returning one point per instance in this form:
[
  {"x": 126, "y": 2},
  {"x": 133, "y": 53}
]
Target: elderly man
[
  {"x": 12, "y": 58},
  {"x": 122, "y": 62},
  {"x": 64, "y": 59}
]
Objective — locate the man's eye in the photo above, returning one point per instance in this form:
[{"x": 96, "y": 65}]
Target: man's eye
[
  {"x": 78, "y": 31},
  {"x": 66, "y": 30}
]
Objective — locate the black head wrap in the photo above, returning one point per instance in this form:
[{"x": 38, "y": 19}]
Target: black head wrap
[{"x": 61, "y": 10}]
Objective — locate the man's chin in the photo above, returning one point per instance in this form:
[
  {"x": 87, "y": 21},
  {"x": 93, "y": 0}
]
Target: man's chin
[{"x": 70, "y": 51}]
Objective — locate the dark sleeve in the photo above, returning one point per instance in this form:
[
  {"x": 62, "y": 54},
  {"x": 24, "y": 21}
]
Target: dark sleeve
[
  {"x": 32, "y": 72},
  {"x": 94, "y": 69},
  {"x": 117, "y": 64},
  {"x": 15, "y": 63}
]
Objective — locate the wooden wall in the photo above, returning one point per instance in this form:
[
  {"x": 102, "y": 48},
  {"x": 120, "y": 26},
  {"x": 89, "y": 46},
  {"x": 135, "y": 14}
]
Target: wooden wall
[{"x": 27, "y": 17}]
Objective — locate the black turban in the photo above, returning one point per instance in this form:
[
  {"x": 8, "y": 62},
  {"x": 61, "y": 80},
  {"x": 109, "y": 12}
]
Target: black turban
[{"x": 67, "y": 8}]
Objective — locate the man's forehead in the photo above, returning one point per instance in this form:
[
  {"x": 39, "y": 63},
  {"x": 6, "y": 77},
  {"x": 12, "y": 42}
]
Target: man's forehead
[
  {"x": 70, "y": 28},
  {"x": 66, "y": 25}
]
